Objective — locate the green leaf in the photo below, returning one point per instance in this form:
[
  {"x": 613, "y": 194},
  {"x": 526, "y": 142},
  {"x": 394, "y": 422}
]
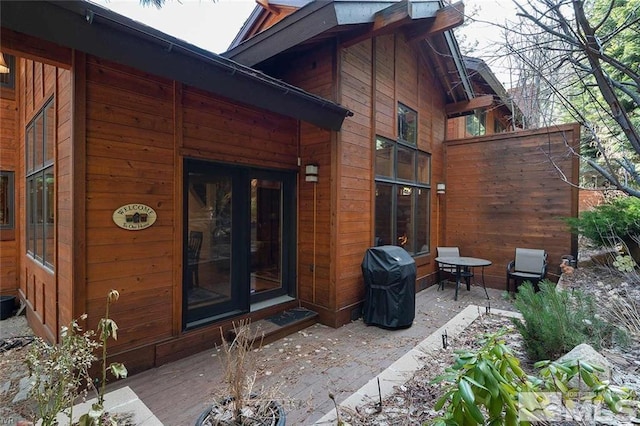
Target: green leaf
[
  {"x": 443, "y": 399},
  {"x": 118, "y": 370},
  {"x": 475, "y": 413},
  {"x": 587, "y": 378},
  {"x": 96, "y": 411},
  {"x": 495, "y": 407},
  {"x": 490, "y": 380},
  {"x": 466, "y": 392}
]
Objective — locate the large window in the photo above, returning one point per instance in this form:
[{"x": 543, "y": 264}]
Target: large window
[
  {"x": 40, "y": 213},
  {"x": 6, "y": 200},
  {"x": 402, "y": 188}
]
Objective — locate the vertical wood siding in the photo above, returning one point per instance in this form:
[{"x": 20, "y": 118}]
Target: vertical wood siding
[
  {"x": 129, "y": 159},
  {"x": 64, "y": 195},
  {"x": 354, "y": 184},
  {"x": 504, "y": 192},
  {"x": 314, "y": 71},
  {"x": 40, "y": 286},
  {"x": 138, "y": 129},
  {"x": 9, "y": 142}
]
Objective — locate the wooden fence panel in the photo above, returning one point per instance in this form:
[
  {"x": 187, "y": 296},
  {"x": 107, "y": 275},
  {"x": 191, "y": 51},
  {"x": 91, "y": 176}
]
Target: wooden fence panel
[{"x": 505, "y": 191}]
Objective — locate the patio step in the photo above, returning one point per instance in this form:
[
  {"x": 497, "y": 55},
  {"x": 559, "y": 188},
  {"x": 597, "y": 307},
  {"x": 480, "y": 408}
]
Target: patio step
[{"x": 285, "y": 322}]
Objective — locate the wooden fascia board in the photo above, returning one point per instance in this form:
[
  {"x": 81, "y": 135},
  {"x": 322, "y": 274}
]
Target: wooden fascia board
[
  {"x": 36, "y": 49},
  {"x": 293, "y": 30},
  {"x": 446, "y": 19},
  {"x": 268, "y": 6},
  {"x": 459, "y": 108},
  {"x": 398, "y": 15},
  {"x": 392, "y": 16},
  {"x": 112, "y": 37}
]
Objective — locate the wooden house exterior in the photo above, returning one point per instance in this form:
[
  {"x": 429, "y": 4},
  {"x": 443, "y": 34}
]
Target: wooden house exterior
[
  {"x": 380, "y": 60},
  {"x": 116, "y": 167},
  {"x": 206, "y": 191}
]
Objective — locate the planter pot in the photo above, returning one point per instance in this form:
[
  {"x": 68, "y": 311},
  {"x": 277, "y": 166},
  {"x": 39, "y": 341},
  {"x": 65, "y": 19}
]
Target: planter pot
[
  {"x": 256, "y": 413},
  {"x": 7, "y": 305}
]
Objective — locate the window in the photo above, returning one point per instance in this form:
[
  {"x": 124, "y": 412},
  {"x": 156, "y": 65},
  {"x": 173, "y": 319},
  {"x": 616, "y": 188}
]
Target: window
[
  {"x": 407, "y": 125},
  {"x": 40, "y": 213},
  {"x": 6, "y": 200},
  {"x": 498, "y": 127},
  {"x": 402, "y": 195},
  {"x": 7, "y": 80},
  {"x": 477, "y": 123}
]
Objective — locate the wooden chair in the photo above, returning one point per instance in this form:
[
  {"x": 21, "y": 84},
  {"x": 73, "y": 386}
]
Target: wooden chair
[
  {"x": 529, "y": 265},
  {"x": 193, "y": 257},
  {"x": 449, "y": 270}
]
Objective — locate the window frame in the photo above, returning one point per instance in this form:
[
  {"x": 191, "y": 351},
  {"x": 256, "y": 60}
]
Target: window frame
[
  {"x": 40, "y": 200},
  {"x": 476, "y": 123},
  {"x": 410, "y": 186},
  {"x": 11, "y": 76},
  {"x": 9, "y": 203},
  {"x": 404, "y": 125}
]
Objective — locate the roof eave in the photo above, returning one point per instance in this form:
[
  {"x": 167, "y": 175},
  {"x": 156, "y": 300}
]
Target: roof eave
[
  {"x": 98, "y": 31},
  {"x": 319, "y": 17}
]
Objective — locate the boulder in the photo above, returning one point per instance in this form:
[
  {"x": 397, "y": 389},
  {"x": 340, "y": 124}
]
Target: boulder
[{"x": 585, "y": 353}]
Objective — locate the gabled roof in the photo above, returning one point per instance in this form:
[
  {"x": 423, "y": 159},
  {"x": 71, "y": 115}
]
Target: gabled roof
[
  {"x": 98, "y": 31},
  {"x": 316, "y": 21},
  {"x": 482, "y": 75}
]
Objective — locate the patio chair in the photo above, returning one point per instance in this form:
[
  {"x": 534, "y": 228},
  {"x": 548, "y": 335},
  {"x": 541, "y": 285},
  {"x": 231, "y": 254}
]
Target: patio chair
[
  {"x": 529, "y": 265},
  {"x": 449, "y": 270}
]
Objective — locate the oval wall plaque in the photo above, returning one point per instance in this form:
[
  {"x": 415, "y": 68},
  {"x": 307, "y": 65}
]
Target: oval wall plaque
[{"x": 134, "y": 217}]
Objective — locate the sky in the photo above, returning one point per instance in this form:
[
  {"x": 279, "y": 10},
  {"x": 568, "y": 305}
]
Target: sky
[{"x": 212, "y": 25}]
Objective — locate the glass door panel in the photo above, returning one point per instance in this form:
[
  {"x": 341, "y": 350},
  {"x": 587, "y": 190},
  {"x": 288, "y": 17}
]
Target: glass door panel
[
  {"x": 239, "y": 239},
  {"x": 266, "y": 235},
  {"x": 209, "y": 269}
]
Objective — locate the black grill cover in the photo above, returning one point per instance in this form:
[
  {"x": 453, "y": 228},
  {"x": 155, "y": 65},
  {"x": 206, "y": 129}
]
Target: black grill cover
[{"x": 389, "y": 277}]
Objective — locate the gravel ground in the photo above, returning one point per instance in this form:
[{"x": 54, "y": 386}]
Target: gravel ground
[{"x": 15, "y": 336}]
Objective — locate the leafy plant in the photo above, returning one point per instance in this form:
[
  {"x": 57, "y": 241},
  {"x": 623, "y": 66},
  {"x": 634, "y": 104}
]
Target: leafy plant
[
  {"x": 605, "y": 223},
  {"x": 61, "y": 373},
  {"x": 483, "y": 383},
  {"x": 624, "y": 264},
  {"x": 489, "y": 387},
  {"x": 554, "y": 321}
]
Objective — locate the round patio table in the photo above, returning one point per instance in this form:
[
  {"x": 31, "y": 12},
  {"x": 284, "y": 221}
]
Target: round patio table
[{"x": 462, "y": 262}]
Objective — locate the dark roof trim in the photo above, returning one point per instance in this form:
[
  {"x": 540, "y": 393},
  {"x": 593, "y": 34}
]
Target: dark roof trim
[
  {"x": 477, "y": 65},
  {"x": 459, "y": 62},
  {"x": 318, "y": 17},
  {"x": 98, "y": 31},
  {"x": 312, "y": 20}
]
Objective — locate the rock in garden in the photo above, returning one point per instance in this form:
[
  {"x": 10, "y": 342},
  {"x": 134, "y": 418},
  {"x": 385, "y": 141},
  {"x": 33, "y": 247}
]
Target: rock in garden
[{"x": 585, "y": 353}]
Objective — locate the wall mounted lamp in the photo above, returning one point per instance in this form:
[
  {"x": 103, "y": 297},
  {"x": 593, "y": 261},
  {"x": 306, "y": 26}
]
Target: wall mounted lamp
[
  {"x": 440, "y": 188},
  {"x": 311, "y": 173},
  {"x": 4, "y": 68}
]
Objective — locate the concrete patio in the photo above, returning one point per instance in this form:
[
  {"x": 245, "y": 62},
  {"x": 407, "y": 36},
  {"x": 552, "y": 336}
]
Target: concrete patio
[{"x": 307, "y": 365}]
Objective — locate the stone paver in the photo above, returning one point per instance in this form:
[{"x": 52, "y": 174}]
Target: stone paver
[{"x": 307, "y": 365}]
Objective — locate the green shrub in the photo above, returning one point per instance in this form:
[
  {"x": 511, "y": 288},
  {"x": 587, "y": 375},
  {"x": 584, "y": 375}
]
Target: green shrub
[
  {"x": 604, "y": 223},
  {"x": 555, "y": 321}
]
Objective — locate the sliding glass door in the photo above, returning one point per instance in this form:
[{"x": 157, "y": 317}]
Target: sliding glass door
[{"x": 239, "y": 236}]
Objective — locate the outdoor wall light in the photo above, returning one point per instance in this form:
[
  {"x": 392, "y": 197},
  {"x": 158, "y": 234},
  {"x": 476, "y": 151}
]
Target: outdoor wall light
[
  {"x": 440, "y": 188},
  {"x": 4, "y": 68},
  {"x": 311, "y": 173}
]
